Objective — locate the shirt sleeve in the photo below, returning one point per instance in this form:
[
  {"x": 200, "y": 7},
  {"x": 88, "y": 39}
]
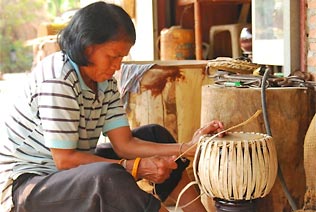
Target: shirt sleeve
[
  {"x": 59, "y": 114},
  {"x": 115, "y": 116}
]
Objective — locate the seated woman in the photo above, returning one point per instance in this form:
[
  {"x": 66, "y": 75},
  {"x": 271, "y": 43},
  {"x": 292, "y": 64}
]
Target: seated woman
[{"x": 49, "y": 158}]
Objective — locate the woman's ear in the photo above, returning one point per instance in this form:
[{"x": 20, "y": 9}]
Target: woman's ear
[{"x": 89, "y": 50}]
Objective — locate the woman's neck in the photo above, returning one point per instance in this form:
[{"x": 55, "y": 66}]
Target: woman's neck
[{"x": 89, "y": 82}]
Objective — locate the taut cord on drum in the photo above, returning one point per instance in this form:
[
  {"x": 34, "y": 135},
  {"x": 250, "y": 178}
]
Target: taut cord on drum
[{"x": 255, "y": 115}]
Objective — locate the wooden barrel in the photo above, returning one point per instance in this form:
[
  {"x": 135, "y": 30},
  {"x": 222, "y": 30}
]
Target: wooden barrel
[
  {"x": 310, "y": 166},
  {"x": 290, "y": 111}
]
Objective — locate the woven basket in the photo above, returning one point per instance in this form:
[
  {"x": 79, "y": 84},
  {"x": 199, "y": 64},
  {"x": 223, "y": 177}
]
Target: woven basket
[{"x": 239, "y": 166}]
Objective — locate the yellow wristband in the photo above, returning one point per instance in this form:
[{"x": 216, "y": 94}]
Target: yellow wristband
[{"x": 135, "y": 167}]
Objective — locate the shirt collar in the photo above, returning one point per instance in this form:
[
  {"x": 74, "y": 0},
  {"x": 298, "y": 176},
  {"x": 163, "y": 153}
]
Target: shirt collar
[{"x": 101, "y": 85}]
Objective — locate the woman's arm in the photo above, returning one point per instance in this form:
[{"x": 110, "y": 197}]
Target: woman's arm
[
  {"x": 129, "y": 147},
  {"x": 70, "y": 158},
  {"x": 157, "y": 160},
  {"x": 155, "y": 169}
]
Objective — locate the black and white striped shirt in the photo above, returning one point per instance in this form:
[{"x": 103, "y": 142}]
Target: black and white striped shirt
[{"x": 56, "y": 110}]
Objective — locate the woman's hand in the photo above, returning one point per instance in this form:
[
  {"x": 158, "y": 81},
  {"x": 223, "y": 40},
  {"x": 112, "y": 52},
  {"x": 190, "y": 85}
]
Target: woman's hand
[
  {"x": 156, "y": 169},
  {"x": 212, "y": 127}
]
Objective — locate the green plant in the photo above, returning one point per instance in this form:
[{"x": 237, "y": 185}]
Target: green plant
[{"x": 19, "y": 20}]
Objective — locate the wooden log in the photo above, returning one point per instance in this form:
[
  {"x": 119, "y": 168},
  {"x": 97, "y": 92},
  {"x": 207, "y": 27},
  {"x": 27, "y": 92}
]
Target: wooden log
[
  {"x": 290, "y": 111},
  {"x": 170, "y": 95},
  {"x": 310, "y": 166}
]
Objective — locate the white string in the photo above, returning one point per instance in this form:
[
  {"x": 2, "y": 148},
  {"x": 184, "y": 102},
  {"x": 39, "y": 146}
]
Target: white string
[{"x": 182, "y": 192}]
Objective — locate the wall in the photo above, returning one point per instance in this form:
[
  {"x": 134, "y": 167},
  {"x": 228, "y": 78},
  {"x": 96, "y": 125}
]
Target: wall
[
  {"x": 145, "y": 28},
  {"x": 310, "y": 35}
]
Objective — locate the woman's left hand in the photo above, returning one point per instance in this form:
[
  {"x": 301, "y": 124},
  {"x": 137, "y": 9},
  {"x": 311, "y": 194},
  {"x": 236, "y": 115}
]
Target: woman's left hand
[{"x": 212, "y": 127}]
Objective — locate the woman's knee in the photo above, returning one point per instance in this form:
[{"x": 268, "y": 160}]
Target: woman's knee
[
  {"x": 107, "y": 170},
  {"x": 157, "y": 128},
  {"x": 117, "y": 186},
  {"x": 154, "y": 133}
]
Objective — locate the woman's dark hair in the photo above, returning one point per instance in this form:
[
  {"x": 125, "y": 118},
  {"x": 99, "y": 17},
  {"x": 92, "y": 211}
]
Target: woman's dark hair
[{"x": 96, "y": 23}]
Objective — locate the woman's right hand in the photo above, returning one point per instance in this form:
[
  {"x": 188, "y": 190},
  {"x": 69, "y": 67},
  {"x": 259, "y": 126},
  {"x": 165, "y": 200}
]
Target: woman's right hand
[{"x": 156, "y": 169}]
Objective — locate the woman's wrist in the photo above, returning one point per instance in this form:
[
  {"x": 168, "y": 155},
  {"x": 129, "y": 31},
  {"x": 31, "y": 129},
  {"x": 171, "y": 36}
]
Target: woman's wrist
[
  {"x": 186, "y": 149},
  {"x": 123, "y": 163},
  {"x": 183, "y": 148},
  {"x": 132, "y": 166},
  {"x": 181, "y": 152}
]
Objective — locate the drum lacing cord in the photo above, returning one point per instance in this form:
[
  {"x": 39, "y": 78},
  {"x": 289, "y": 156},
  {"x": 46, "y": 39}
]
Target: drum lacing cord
[
  {"x": 199, "y": 143},
  {"x": 268, "y": 129}
]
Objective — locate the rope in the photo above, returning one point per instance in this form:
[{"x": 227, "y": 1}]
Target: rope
[{"x": 182, "y": 192}]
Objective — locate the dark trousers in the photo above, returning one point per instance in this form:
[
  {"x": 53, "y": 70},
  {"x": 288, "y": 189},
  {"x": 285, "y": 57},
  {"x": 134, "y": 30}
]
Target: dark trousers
[{"x": 95, "y": 187}]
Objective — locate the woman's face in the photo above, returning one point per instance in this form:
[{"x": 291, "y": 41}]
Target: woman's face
[{"x": 105, "y": 59}]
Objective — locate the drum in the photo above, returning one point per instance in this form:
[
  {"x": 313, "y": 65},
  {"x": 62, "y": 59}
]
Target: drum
[{"x": 239, "y": 166}]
